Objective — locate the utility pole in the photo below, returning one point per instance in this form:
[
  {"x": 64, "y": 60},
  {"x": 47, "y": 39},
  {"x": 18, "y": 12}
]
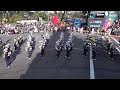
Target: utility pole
[
  {"x": 63, "y": 15},
  {"x": 88, "y": 14},
  {"x": 2, "y": 14}
]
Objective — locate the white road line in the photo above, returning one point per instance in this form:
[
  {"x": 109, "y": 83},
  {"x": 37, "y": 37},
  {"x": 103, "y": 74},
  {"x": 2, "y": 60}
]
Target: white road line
[
  {"x": 92, "y": 75},
  {"x": 115, "y": 40},
  {"x": 117, "y": 43}
]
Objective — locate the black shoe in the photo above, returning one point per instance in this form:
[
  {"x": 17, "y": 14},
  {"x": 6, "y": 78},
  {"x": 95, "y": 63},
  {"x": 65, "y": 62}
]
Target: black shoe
[{"x": 8, "y": 66}]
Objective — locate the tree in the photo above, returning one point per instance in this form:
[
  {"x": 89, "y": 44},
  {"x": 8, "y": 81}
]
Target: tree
[
  {"x": 63, "y": 15},
  {"x": 15, "y": 17},
  {"x": 60, "y": 15},
  {"x": 77, "y": 14},
  {"x": 84, "y": 12},
  {"x": 41, "y": 14}
]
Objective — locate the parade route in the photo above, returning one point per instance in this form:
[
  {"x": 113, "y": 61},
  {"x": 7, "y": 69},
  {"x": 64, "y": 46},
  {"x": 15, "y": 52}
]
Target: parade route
[{"x": 50, "y": 67}]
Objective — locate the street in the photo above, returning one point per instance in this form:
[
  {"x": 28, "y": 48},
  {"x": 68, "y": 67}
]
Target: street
[{"x": 50, "y": 67}]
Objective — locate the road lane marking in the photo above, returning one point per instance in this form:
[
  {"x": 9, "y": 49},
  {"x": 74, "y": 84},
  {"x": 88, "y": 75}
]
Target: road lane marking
[
  {"x": 92, "y": 75},
  {"x": 115, "y": 40},
  {"x": 117, "y": 43}
]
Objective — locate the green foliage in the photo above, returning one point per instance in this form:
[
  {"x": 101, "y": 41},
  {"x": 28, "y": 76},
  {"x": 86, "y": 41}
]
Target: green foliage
[
  {"x": 41, "y": 14},
  {"x": 18, "y": 15},
  {"x": 76, "y": 15},
  {"x": 60, "y": 15},
  {"x": 30, "y": 17},
  {"x": 79, "y": 14},
  {"x": 15, "y": 17},
  {"x": 84, "y": 12}
]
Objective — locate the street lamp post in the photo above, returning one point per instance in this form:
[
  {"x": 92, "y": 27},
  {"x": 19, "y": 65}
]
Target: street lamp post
[
  {"x": 63, "y": 15},
  {"x": 88, "y": 14}
]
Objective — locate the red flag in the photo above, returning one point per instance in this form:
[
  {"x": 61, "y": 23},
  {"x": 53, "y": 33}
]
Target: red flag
[{"x": 54, "y": 19}]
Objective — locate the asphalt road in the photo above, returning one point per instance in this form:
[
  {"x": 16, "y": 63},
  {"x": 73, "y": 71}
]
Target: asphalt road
[{"x": 50, "y": 67}]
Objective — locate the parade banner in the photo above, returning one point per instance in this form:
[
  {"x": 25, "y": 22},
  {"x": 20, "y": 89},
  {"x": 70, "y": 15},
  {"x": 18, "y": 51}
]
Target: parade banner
[
  {"x": 77, "y": 22},
  {"x": 112, "y": 16},
  {"x": 96, "y": 22}
]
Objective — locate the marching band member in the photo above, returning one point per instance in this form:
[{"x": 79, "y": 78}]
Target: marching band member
[
  {"x": 42, "y": 50},
  {"x": 94, "y": 52},
  {"x": 40, "y": 43},
  {"x": 21, "y": 39},
  {"x": 7, "y": 52},
  {"x": 27, "y": 45},
  {"x": 61, "y": 44},
  {"x": 111, "y": 51},
  {"x": 18, "y": 39},
  {"x": 67, "y": 48},
  {"x": 29, "y": 50},
  {"x": 85, "y": 47},
  {"x": 58, "y": 41},
  {"x": 15, "y": 43},
  {"x": 58, "y": 48},
  {"x": 71, "y": 46},
  {"x": 6, "y": 57}
]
